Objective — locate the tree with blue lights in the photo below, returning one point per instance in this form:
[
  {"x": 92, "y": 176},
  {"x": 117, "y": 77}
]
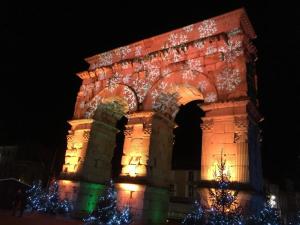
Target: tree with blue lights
[
  {"x": 47, "y": 201},
  {"x": 196, "y": 217},
  {"x": 106, "y": 212},
  {"x": 34, "y": 196},
  {"x": 224, "y": 208},
  {"x": 267, "y": 216}
]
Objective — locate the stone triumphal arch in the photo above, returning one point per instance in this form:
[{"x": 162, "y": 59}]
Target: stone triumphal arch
[{"x": 147, "y": 81}]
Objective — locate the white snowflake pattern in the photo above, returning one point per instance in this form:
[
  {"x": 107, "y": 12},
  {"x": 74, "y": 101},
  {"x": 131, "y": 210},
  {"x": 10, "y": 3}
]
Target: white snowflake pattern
[
  {"x": 123, "y": 51},
  {"x": 167, "y": 103},
  {"x": 231, "y": 51},
  {"x": 113, "y": 82},
  {"x": 210, "y": 97},
  {"x": 176, "y": 56},
  {"x": 202, "y": 85},
  {"x": 130, "y": 98},
  {"x": 125, "y": 65},
  {"x": 153, "y": 71},
  {"x": 162, "y": 86},
  {"x": 141, "y": 87},
  {"x": 195, "y": 64},
  {"x": 92, "y": 106},
  {"x": 207, "y": 28},
  {"x": 105, "y": 59},
  {"x": 188, "y": 75},
  {"x": 154, "y": 94},
  {"x": 137, "y": 66},
  {"x": 199, "y": 44},
  {"x": 138, "y": 51},
  {"x": 228, "y": 79},
  {"x": 126, "y": 79},
  {"x": 189, "y": 28},
  {"x": 176, "y": 39},
  {"x": 211, "y": 50}
]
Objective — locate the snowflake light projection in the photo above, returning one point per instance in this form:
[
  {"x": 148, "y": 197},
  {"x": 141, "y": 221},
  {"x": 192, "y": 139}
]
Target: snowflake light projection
[
  {"x": 130, "y": 98},
  {"x": 189, "y": 28},
  {"x": 92, "y": 106},
  {"x": 157, "y": 91},
  {"x": 207, "y": 28},
  {"x": 210, "y": 97},
  {"x": 231, "y": 51},
  {"x": 188, "y": 75},
  {"x": 167, "y": 104},
  {"x": 199, "y": 44},
  {"x": 176, "y": 56},
  {"x": 113, "y": 82},
  {"x": 141, "y": 87},
  {"x": 123, "y": 51},
  {"x": 195, "y": 64},
  {"x": 105, "y": 59},
  {"x": 126, "y": 79},
  {"x": 228, "y": 79},
  {"x": 202, "y": 85},
  {"x": 175, "y": 39},
  {"x": 153, "y": 71},
  {"x": 211, "y": 50},
  {"x": 138, "y": 51}
]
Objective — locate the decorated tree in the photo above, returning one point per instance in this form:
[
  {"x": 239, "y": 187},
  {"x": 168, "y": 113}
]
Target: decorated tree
[
  {"x": 196, "y": 217},
  {"x": 267, "y": 216},
  {"x": 47, "y": 201},
  {"x": 106, "y": 212},
  {"x": 295, "y": 220},
  {"x": 224, "y": 208},
  {"x": 34, "y": 196}
]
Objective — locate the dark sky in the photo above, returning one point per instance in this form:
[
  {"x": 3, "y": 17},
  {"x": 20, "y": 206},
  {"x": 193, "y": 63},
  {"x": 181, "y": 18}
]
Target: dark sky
[{"x": 43, "y": 46}]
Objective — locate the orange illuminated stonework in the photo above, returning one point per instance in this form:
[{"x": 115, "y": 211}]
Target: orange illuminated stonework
[{"x": 147, "y": 81}]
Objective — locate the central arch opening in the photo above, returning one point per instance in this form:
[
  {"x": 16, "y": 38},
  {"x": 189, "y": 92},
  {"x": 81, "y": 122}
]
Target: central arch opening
[{"x": 188, "y": 137}]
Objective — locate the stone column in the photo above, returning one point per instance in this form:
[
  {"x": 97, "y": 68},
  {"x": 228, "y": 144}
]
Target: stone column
[
  {"x": 241, "y": 140},
  {"x": 97, "y": 166},
  {"x": 225, "y": 129},
  {"x": 77, "y": 141},
  {"x": 146, "y": 162},
  {"x": 136, "y": 145}
]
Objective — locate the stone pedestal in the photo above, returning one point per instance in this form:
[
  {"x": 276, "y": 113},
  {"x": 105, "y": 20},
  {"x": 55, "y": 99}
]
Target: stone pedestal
[
  {"x": 84, "y": 195},
  {"x": 149, "y": 205}
]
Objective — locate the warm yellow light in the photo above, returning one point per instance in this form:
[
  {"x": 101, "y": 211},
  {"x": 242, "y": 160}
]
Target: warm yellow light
[
  {"x": 132, "y": 170},
  {"x": 130, "y": 187},
  {"x": 77, "y": 145},
  {"x": 66, "y": 182},
  {"x": 214, "y": 172}
]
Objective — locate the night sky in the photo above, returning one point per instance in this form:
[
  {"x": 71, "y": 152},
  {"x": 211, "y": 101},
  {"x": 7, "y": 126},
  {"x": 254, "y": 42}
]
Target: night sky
[{"x": 44, "y": 45}]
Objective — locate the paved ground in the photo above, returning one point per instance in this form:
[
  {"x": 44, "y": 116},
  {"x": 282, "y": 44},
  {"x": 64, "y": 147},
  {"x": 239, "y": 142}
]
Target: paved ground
[{"x": 35, "y": 219}]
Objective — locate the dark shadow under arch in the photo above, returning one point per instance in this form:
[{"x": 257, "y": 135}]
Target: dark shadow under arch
[
  {"x": 116, "y": 166},
  {"x": 188, "y": 137}
]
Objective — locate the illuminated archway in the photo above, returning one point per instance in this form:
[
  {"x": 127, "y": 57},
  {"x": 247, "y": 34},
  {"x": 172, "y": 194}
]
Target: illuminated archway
[{"x": 148, "y": 81}]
